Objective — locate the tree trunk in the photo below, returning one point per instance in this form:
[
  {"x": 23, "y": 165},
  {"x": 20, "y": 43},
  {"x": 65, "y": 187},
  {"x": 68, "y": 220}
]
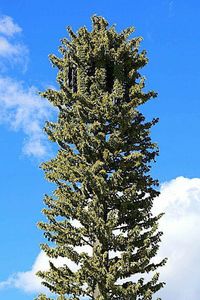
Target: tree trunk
[{"x": 96, "y": 292}]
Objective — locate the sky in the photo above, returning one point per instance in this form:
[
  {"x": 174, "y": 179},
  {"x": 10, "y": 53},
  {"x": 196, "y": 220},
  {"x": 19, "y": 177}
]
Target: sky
[{"x": 29, "y": 32}]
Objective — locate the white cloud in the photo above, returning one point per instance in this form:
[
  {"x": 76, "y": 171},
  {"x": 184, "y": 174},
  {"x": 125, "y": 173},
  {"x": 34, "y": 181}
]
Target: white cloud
[
  {"x": 12, "y": 52},
  {"x": 22, "y": 109},
  {"x": 28, "y": 281},
  {"x": 8, "y": 27},
  {"x": 7, "y": 49},
  {"x": 180, "y": 199}
]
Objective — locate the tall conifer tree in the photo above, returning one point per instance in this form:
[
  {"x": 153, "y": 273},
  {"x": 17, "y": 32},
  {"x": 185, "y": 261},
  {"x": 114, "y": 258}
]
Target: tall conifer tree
[{"x": 104, "y": 192}]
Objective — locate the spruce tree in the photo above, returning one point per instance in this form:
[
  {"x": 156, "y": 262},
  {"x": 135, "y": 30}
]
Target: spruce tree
[{"x": 104, "y": 192}]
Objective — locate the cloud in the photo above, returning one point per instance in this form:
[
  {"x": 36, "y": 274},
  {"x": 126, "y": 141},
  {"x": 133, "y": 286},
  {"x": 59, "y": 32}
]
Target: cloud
[
  {"x": 8, "y": 27},
  {"x": 28, "y": 281},
  {"x": 171, "y": 8},
  {"x": 12, "y": 51},
  {"x": 23, "y": 110},
  {"x": 20, "y": 108},
  {"x": 180, "y": 199}
]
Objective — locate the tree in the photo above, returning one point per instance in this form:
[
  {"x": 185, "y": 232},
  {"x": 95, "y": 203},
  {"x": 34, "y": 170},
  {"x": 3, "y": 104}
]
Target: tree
[{"x": 104, "y": 192}]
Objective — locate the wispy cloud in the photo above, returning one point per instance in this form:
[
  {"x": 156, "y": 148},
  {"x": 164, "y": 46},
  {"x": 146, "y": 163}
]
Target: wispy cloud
[
  {"x": 180, "y": 199},
  {"x": 12, "y": 54},
  {"x": 8, "y": 27},
  {"x": 171, "y": 9},
  {"x": 22, "y": 109},
  {"x": 12, "y": 50}
]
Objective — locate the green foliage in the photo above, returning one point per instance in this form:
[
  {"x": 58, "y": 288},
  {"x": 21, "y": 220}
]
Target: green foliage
[{"x": 101, "y": 169}]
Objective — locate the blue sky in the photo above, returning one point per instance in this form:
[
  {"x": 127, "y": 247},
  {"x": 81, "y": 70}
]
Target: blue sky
[{"x": 29, "y": 31}]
